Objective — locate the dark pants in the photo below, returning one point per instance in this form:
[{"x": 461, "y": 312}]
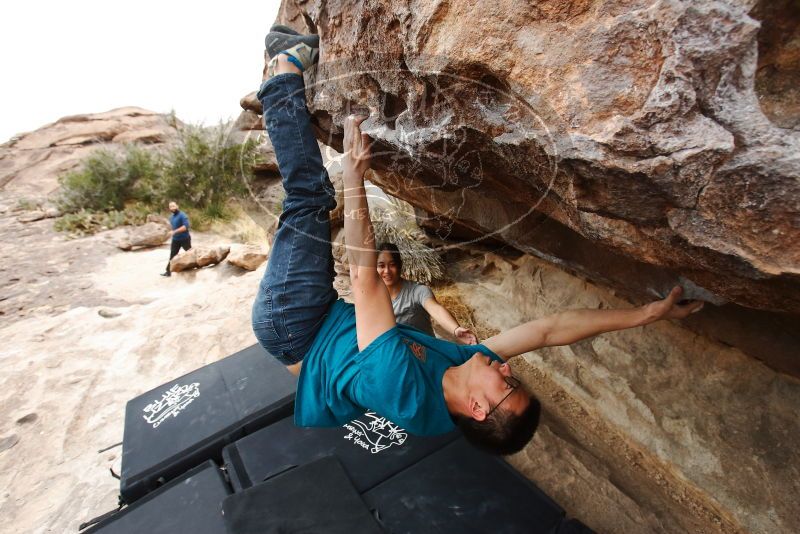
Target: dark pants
[
  {"x": 297, "y": 288},
  {"x": 176, "y": 246}
]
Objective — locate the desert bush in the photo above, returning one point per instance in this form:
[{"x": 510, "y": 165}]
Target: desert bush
[
  {"x": 106, "y": 180},
  {"x": 201, "y": 172},
  {"x": 28, "y": 204},
  {"x": 204, "y": 173}
]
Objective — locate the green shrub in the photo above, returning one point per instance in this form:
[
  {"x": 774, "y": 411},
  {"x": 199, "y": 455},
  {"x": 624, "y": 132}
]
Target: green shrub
[
  {"x": 204, "y": 173},
  {"x": 201, "y": 172},
  {"x": 27, "y": 204},
  {"x": 106, "y": 180}
]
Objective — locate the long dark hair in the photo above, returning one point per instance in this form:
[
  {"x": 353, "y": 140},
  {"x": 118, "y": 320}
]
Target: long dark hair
[{"x": 392, "y": 249}]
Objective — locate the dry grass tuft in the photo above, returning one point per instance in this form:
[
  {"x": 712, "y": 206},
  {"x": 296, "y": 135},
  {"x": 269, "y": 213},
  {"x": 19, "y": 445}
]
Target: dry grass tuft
[
  {"x": 240, "y": 227},
  {"x": 450, "y": 297}
]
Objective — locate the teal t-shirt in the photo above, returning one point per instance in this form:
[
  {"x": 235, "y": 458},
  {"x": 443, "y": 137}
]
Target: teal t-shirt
[{"x": 398, "y": 375}]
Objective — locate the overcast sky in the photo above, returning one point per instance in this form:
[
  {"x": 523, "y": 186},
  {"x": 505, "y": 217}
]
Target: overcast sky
[{"x": 88, "y": 56}]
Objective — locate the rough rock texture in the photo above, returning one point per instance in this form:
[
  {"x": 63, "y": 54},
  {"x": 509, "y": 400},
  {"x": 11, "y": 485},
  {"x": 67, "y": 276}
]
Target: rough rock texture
[
  {"x": 39, "y": 214},
  {"x": 249, "y": 125},
  {"x": 150, "y": 234},
  {"x": 636, "y": 126},
  {"x": 197, "y": 257},
  {"x": 653, "y": 429},
  {"x": 633, "y": 145},
  {"x": 249, "y": 102},
  {"x": 212, "y": 255},
  {"x": 85, "y": 327},
  {"x": 184, "y": 261},
  {"x": 248, "y": 257},
  {"x": 30, "y": 163}
]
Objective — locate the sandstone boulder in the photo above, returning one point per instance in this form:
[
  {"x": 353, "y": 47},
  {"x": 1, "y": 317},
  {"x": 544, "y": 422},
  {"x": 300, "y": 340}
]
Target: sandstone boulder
[
  {"x": 663, "y": 134},
  {"x": 31, "y": 216},
  {"x": 147, "y": 135},
  {"x": 151, "y": 234},
  {"x": 631, "y": 145},
  {"x": 95, "y": 128},
  {"x": 248, "y": 120},
  {"x": 266, "y": 163},
  {"x": 30, "y": 163},
  {"x": 198, "y": 257},
  {"x": 211, "y": 255},
  {"x": 156, "y": 218},
  {"x": 248, "y": 257},
  {"x": 184, "y": 261},
  {"x": 249, "y": 102},
  {"x": 269, "y": 198},
  {"x": 42, "y": 212},
  {"x": 655, "y": 412}
]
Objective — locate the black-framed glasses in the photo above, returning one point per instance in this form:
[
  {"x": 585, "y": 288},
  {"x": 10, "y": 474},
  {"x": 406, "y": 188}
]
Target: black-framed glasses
[{"x": 513, "y": 383}]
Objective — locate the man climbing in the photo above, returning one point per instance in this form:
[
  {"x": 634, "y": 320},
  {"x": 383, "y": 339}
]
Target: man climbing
[
  {"x": 181, "y": 239},
  {"x": 351, "y": 358}
]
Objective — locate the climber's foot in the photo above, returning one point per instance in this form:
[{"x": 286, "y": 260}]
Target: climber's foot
[
  {"x": 280, "y": 28},
  {"x": 305, "y": 48},
  {"x": 302, "y": 51}
]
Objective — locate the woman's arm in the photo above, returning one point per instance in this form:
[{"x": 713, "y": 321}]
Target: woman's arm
[
  {"x": 574, "y": 325},
  {"x": 440, "y": 314},
  {"x": 374, "y": 314}
]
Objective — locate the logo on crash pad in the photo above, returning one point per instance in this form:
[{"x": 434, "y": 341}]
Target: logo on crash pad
[
  {"x": 172, "y": 402},
  {"x": 374, "y": 433}
]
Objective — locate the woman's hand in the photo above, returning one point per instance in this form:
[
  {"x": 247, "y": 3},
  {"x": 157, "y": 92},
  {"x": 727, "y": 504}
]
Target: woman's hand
[
  {"x": 669, "y": 308},
  {"x": 465, "y": 336},
  {"x": 357, "y": 146}
]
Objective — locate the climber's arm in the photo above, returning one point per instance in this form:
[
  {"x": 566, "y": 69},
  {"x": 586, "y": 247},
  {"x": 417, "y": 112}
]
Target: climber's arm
[
  {"x": 441, "y": 315},
  {"x": 374, "y": 314},
  {"x": 574, "y": 325}
]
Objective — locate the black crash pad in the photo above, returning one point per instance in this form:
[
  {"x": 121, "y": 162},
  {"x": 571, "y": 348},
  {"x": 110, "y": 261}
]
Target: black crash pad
[
  {"x": 461, "y": 490},
  {"x": 191, "y": 503},
  {"x": 573, "y": 526},
  {"x": 370, "y": 448},
  {"x": 314, "y": 498},
  {"x": 190, "y": 419}
]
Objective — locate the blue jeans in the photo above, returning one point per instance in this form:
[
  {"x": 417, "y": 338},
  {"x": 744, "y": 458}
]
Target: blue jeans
[{"x": 297, "y": 288}]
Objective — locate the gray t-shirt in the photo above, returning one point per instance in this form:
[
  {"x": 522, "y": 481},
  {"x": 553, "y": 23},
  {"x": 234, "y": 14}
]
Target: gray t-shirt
[{"x": 408, "y": 306}]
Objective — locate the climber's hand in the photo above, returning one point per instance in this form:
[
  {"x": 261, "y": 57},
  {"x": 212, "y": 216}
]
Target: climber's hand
[
  {"x": 671, "y": 308},
  {"x": 356, "y": 147}
]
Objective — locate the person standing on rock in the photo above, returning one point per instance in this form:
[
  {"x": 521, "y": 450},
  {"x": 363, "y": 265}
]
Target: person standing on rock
[
  {"x": 355, "y": 357},
  {"x": 181, "y": 239},
  {"x": 415, "y": 304}
]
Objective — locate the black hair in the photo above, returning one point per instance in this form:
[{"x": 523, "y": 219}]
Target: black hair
[
  {"x": 394, "y": 251},
  {"x": 502, "y": 432}
]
